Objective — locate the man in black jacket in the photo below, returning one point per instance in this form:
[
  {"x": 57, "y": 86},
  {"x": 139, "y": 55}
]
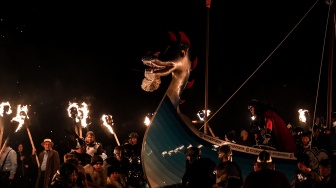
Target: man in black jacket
[
  {"x": 228, "y": 173},
  {"x": 199, "y": 170}
]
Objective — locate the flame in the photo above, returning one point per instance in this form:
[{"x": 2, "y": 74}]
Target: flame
[
  {"x": 21, "y": 116},
  {"x": 73, "y": 110},
  {"x": 147, "y": 121},
  {"x": 201, "y": 114},
  {"x": 2, "y": 106},
  {"x": 80, "y": 114},
  {"x": 302, "y": 115},
  {"x": 107, "y": 121}
]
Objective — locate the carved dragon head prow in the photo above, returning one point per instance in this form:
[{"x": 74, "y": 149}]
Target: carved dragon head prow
[{"x": 176, "y": 60}]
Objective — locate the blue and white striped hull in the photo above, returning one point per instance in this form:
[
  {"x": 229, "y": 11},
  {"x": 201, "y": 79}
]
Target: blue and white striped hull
[{"x": 168, "y": 136}]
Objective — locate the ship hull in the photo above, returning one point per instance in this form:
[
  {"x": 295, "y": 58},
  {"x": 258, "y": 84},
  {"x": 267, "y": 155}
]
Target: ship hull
[{"x": 168, "y": 136}]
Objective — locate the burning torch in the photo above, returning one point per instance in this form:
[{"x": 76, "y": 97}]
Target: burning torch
[
  {"x": 23, "y": 119},
  {"x": 148, "y": 119},
  {"x": 80, "y": 115},
  {"x": 4, "y": 107},
  {"x": 107, "y": 121}
]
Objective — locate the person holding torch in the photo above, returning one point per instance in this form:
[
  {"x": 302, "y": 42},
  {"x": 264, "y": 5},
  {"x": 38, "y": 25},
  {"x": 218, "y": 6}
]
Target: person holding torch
[
  {"x": 8, "y": 166},
  {"x": 50, "y": 163}
]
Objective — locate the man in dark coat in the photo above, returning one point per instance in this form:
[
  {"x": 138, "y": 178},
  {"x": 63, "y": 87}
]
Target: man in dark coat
[
  {"x": 329, "y": 177},
  {"x": 228, "y": 172},
  {"x": 49, "y": 164},
  {"x": 199, "y": 171},
  {"x": 66, "y": 177},
  {"x": 26, "y": 171}
]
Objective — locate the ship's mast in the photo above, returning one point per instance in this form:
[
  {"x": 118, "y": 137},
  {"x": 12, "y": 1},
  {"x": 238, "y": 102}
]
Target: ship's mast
[{"x": 331, "y": 59}]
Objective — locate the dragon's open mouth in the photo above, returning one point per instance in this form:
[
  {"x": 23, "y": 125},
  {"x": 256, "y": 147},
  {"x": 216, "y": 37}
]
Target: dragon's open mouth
[{"x": 157, "y": 66}]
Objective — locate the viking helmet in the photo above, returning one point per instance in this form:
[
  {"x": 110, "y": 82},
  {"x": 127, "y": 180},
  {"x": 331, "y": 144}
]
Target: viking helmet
[
  {"x": 193, "y": 151},
  {"x": 133, "y": 135},
  {"x": 224, "y": 152},
  {"x": 264, "y": 157}
]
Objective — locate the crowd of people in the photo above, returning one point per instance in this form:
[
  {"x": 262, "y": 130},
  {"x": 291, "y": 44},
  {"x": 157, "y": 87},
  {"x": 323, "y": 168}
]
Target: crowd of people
[
  {"x": 202, "y": 172},
  {"x": 85, "y": 165},
  {"x": 268, "y": 131}
]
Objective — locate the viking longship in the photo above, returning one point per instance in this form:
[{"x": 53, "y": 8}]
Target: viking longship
[{"x": 170, "y": 131}]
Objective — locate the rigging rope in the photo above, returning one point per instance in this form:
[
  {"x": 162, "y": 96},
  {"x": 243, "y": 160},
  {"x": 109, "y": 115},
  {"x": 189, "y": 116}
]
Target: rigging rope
[{"x": 329, "y": 3}]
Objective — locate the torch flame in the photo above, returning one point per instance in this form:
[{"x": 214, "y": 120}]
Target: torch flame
[
  {"x": 147, "y": 121},
  {"x": 302, "y": 115},
  {"x": 201, "y": 114},
  {"x": 2, "y": 106},
  {"x": 80, "y": 114},
  {"x": 21, "y": 116},
  {"x": 107, "y": 122}
]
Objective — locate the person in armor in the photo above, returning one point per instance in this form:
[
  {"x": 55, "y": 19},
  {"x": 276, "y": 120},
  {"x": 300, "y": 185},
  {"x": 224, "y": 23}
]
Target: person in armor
[
  {"x": 135, "y": 174},
  {"x": 199, "y": 171},
  {"x": 269, "y": 129},
  {"x": 258, "y": 127},
  {"x": 79, "y": 151},
  {"x": 228, "y": 173},
  {"x": 266, "y": 175},
  {"x": 132, "y": 147},
  {"x": 119, "y": 162},
  {"x": 93, "y": 147}
]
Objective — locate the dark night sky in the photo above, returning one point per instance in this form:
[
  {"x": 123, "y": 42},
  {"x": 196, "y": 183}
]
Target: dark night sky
[{"x": 53, "y": 53}]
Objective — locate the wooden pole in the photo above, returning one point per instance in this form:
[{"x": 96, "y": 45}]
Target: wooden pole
[
  {"x": 206, "y": 69},
  {"x": 4, "y": 144},
  {"x": 1, "y": 134},
  {"x": 330, "y": 65},
  {"x": 80, "y": 131},
  {"x": 33, "y": 146},
  {"x": 115, "y": 136}
]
